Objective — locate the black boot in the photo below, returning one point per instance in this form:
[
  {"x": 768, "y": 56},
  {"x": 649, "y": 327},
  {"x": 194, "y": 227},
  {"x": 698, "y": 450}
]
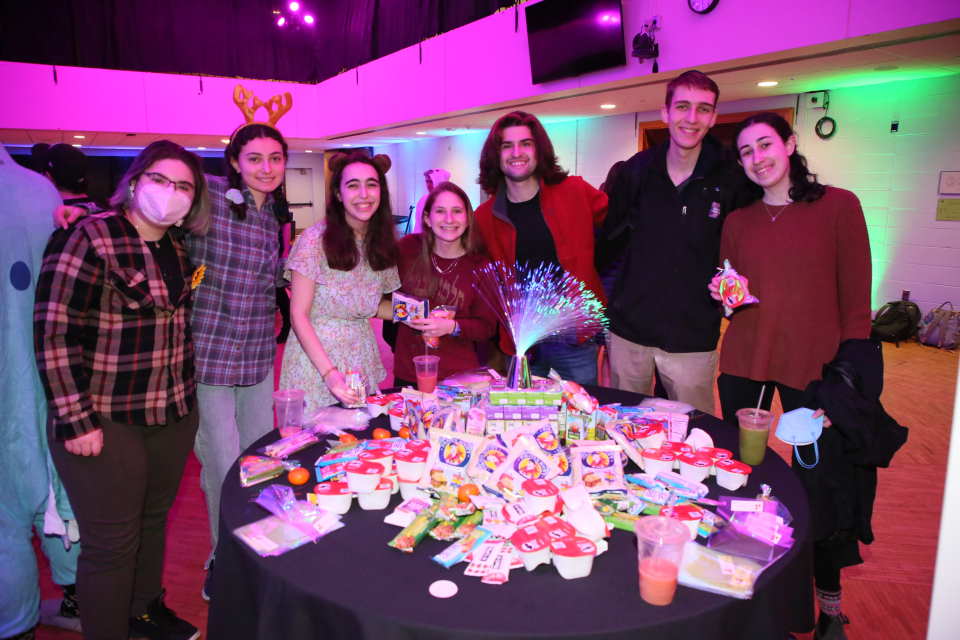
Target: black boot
[{"x": 831, "y": 627}]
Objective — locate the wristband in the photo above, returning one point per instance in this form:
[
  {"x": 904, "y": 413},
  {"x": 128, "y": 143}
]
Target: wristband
[
  {"x": 456, "y": 329},
  {"x": 323, "y": 376}
]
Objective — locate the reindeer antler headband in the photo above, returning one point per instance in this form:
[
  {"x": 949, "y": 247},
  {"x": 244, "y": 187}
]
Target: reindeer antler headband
[{"x": 249, "y": 104}]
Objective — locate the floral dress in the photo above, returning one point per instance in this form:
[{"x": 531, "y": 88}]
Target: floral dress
[{"x": 343, "y": 303}]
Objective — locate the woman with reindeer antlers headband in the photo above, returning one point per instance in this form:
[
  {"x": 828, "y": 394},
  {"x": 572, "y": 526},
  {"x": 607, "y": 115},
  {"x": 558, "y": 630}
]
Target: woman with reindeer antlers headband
[
  {"x": 234, "y": 306},
  {"x": 341, "y": 269}
]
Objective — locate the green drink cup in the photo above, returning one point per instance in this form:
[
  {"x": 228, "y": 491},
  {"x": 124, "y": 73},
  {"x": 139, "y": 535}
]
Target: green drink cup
[{"x": 754, "y": 432}]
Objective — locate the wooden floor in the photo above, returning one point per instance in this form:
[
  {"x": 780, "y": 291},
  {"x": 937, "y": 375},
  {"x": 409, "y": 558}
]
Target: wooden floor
[{"x": 888, "y": 597}]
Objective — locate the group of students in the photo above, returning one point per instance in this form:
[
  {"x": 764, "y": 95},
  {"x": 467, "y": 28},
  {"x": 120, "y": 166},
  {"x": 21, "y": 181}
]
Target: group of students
[{"x": 154, "y": 321}]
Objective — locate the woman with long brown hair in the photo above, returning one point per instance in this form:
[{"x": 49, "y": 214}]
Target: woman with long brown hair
[
  {"x": 440, "y": 264},
  {"x": 341, "y": 270}
]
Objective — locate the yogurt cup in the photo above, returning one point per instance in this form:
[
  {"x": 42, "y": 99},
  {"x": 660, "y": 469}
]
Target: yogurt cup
[
  {"x": 658, "y": 460},
  {"x": 651, "y": 436},
  {"x": 380, "y": 455},
  {"x": 532, "y": 545},
  {"x": 717, "y": 454},
  {"x": 396, "y": 418},
  {"x": 334, "y": 497},
  {"x": 377, "y": 499},
  {"x": 409, "y": 489},
  {"x": 555, "y": 528},
  {"x": 677, "y": 448},
  {"x": 688, "y": 514},
  {"x": 732, "y": 474},
  {"x": 540, "y": 495},
  {"x": 395, "y": 481},
  {"x": 410, "y": 463},
  {"x": 695, "y": 466},
  {"x": 363, "y": 476},
  {"x": 573, "y": 556}
]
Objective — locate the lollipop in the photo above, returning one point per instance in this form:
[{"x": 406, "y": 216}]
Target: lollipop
[{"x": 733, "y": 289}]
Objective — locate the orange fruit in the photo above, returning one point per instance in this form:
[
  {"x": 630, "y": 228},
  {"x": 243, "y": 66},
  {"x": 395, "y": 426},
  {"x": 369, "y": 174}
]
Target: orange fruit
[
  {"x": 404, "y": 432},
  {"x": 298, "y": 476},
  {"x": 380, "y": 433},
  {"x": 347, "y": 438},
  {"x": 467, "y": 490}
]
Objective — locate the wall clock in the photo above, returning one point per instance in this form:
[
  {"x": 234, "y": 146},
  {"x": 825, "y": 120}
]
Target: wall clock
[{"x": 702, "y": 6}]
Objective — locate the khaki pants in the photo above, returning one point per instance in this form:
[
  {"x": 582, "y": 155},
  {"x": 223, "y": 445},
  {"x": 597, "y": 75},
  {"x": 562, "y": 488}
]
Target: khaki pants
[{"x": 687, "y": 377}]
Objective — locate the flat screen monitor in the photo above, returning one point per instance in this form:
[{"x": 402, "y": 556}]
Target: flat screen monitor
[{"x": 571, "y": 37}]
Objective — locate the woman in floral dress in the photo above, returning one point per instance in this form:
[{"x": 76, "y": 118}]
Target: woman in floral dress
[{"x": 342, "y": 269}]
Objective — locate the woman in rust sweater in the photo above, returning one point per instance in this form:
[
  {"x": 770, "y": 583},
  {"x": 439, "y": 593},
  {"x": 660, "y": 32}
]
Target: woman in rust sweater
[
  {"x": 805, "y": 250},
  {"x": 440, "y": 264}
]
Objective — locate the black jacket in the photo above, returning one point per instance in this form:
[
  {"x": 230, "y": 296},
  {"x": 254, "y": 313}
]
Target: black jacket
[
  {"x": 863, "y": 437},
  {"x": 671, "y": 240}
]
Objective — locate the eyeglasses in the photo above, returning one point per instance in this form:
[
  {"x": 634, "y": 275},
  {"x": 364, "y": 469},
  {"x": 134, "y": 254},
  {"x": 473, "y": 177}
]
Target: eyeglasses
[{"x": 162, "y": 180}]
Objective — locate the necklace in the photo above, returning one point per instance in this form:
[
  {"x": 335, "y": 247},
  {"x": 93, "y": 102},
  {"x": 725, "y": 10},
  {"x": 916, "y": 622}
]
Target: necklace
[
  {"x": 450, "y": 267},
  {"x": 774, "y": 216}
]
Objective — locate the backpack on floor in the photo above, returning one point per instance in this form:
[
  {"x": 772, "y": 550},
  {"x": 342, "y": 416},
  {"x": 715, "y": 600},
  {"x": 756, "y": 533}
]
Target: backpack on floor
[{"x": 896, "y": 321}]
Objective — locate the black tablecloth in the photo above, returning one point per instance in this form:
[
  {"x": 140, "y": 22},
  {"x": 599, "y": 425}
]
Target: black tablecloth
[{"x": 351, "y": 585}]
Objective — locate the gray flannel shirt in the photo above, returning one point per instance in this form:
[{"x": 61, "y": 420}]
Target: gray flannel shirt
[{"x": 234, "y": 306}]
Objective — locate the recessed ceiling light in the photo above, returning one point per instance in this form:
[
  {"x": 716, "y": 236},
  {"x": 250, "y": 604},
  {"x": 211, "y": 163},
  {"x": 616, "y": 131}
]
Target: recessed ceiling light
[
  {"x": 608, "y": 105},
  {"x": 77, "y": 145},
  {"x": 79, "y": 137},
  {"x": 201, "y": 148},
  {"x": 309, "y": 151},
  {"x": 225, "y": 140},
  {"x": 348, "y": 145},
  {"x": 767, "y": 83},
  {"x": 421, "y": 133}
]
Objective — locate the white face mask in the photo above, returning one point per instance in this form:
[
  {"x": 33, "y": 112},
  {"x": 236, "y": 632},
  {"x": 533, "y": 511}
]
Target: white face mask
[{"x": 161, "y": 205}]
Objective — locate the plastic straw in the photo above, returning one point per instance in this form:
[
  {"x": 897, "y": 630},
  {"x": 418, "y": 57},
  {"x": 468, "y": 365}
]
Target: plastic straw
[{"x": 756, "y": 411}]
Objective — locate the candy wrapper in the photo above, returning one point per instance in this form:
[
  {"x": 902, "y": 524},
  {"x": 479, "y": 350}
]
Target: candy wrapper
[
  {"x": 733, "y": 289},
  {"x": 458, "y": 551},
  {"x": 526, "y": 461},
  {"x": 407, "y": 308},
  {"x": 256, "y": 469},
  {"x": 598, "y": 468},
  {"x": 412, "y": 534},
  {"x": 285, "y": 447},
  {"x": 273, "y": 536},
  {"x": 718, "y": 572},
  {"x": 628, "y": 436},
  {"x": 575, "y": 395},
  {"x": 280, "y": 501},
  {"x": 450, "y": 457}
]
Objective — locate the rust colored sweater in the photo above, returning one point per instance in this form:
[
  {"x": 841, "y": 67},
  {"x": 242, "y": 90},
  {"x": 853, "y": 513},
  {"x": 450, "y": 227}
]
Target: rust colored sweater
[{"x": 811, "y": 271}]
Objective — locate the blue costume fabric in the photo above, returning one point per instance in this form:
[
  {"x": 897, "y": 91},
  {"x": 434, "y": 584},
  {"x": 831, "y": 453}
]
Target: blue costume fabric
[{"x": 27, "y": 474}]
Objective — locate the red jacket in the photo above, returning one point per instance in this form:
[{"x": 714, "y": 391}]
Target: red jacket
[{"x": 571, "y": 209}]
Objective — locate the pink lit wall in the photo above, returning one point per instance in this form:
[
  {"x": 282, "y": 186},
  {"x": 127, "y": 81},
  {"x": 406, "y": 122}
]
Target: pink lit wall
[{"x": 483, "y": 63}]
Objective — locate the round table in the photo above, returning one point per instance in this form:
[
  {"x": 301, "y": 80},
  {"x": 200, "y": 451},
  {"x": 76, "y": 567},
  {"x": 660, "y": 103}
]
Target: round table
[{"x": 351, "y": 585}]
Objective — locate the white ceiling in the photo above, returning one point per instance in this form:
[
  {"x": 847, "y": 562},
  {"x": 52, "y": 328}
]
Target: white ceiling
[{"x": 909, "y": 53}]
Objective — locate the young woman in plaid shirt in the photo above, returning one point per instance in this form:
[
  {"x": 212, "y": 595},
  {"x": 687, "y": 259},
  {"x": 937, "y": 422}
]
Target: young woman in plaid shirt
[{"x": 115, "y": 355}]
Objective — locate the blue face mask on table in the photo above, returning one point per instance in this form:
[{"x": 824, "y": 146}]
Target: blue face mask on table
[{"x": 798, "y": 428}]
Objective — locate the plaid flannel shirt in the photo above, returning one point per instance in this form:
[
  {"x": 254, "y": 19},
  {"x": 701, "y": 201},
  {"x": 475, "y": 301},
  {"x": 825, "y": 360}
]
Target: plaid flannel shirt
[
  {"x": 234, "y": 306},
  {"x": 109, "y": 340}
]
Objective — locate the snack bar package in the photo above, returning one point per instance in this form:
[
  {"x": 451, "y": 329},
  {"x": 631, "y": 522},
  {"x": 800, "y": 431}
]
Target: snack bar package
[
  {"x": 526, "y": 461},
  {"x": 599, "y": 468},
  {"x": 407, "y": 308},
  {"x": 450, "y": 457}
]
